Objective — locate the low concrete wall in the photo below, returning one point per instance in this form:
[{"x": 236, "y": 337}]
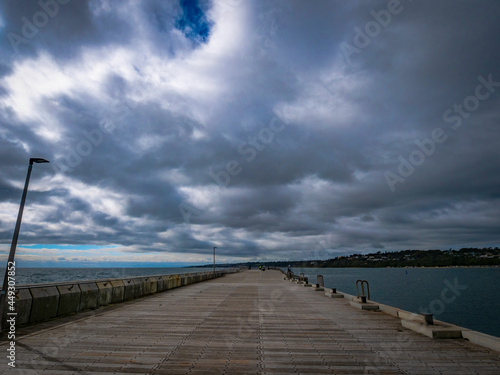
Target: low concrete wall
[
  {"x": 118, "y": 291},
  {"x": 150, "y": 285},
  {"x": 482, "y": 339},
  {"x": 24, "y": 300},
  {"x": 166, "y": 282},
  {"x": 159, "y": 284},
  {"x": 45, "y": 303},
  {"x": 130, "y": 289},
  {"x": 69, "y": 299},
  {"x": 40, "y": 302},
  {"x": 89, "y": 297},
  {"x": 105, "y": 294}
]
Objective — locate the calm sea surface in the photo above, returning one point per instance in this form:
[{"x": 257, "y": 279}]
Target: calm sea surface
[
  {"x": 49, "y": 275},
  {"x": 468, "y": 297}
]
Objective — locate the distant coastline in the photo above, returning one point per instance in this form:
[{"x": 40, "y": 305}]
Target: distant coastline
[
  {"x": 463, "y": 258},
  {"x": 466, "y": 257}
]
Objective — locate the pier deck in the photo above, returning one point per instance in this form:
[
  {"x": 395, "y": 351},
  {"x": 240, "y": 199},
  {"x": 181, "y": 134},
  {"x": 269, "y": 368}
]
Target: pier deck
[{"x": 251, "y": 322}]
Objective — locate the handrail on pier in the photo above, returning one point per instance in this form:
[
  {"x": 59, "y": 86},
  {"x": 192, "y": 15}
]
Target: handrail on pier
[
  {"x": 320, "y": 281},
  {"x": 363, "y": 296}
]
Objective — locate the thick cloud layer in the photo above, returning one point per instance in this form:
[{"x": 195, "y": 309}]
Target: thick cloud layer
[{"x": 270, "y": 129}]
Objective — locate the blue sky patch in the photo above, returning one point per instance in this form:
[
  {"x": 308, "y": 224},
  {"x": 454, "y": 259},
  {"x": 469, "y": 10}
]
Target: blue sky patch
[{"x": 193, "y": 22}]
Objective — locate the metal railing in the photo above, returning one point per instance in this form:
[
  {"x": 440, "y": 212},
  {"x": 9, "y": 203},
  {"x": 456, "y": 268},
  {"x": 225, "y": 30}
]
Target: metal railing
[
  {"x": 363, "y": 296},
  {"x": 320, "y": 281}
]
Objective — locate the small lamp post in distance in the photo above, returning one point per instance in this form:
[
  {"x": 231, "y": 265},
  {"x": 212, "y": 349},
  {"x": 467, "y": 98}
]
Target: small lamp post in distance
[{"x": 215, "y": 247}]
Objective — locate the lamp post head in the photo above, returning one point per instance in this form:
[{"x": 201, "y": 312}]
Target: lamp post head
[{"x": 38, "y": 160}]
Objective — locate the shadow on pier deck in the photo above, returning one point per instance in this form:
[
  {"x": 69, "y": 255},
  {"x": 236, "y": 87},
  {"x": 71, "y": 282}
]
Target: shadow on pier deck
[{"x": 251, "y": 322}]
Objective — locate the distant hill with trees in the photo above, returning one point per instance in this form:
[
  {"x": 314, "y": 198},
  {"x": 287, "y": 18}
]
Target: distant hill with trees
[
  {"x": 405, "y": 258},
  {"x": 418, "y": 258}
]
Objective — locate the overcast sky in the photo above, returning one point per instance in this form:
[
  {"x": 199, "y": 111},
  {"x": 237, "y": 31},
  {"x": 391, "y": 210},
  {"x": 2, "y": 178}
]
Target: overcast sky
[{"x": 273, "y": 130}]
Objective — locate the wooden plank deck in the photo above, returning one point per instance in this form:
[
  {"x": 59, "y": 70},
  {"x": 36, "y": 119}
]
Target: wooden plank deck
[{"x": 251, "y": 322}]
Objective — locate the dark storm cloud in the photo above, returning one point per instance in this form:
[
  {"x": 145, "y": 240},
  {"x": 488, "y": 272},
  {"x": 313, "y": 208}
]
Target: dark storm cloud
[
  {"x": 56, "y": 26},
  {"x": 176, "y": 127},
  {"x": 62, "y": 28}
]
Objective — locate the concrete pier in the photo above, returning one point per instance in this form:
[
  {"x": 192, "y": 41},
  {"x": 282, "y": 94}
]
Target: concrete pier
[{"x": 251, "y": 322}]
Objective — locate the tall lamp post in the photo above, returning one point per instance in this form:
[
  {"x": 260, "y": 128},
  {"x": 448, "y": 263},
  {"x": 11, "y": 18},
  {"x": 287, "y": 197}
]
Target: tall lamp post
[
  {"x": 3, "y": 294},
  {"x": 214, "y": 258}
]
